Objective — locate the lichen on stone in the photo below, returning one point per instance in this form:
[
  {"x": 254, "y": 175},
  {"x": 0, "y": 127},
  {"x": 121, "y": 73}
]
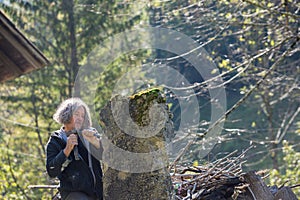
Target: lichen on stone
[{"x": 120, "y": 118}]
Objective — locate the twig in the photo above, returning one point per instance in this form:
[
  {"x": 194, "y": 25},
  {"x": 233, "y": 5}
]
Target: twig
[
  {"x": 251, "y": 192},
  {"x": 43, "y": 186},
  {"x": 294, "y": 186}
]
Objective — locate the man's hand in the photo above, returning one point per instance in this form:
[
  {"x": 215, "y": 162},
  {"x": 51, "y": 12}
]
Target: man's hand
[
  {"x": 71, "y": 142},
  {"x": 90, "y": 135}
]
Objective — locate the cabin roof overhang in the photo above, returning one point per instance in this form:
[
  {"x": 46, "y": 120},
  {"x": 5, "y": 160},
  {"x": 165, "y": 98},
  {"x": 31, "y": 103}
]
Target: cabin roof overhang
[{"x": 18, "y": 55}]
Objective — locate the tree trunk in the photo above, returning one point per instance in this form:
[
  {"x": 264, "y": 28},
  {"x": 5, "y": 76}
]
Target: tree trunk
[
  {"x": 285, "y": 193},
  {"x": 69, "y": 6},
  {"x": 257, "y": 187},
  {"x": 136, "y": 166}
]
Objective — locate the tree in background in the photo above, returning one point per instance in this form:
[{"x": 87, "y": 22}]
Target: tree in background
[
  {"x": 289, "y": 172},
  {"x": 256, "y": 46},
  {"x": 66, "y": 31}
]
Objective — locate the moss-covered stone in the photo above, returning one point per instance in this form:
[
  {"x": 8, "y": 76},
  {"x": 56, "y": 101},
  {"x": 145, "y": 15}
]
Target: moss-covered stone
[{"x": 143, "y": 107}]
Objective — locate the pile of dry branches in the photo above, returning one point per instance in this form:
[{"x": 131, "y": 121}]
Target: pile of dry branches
[
  {"x": 216, "y": 180},
  {"x": 224, "y": 179}
]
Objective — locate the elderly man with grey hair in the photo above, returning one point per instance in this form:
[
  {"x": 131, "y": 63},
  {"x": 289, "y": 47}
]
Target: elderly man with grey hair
[{"x": 69, "y": 155}]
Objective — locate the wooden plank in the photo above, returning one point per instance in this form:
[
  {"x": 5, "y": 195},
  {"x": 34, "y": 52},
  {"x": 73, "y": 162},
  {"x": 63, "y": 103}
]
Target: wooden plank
[
  {"x": 23, "y": 51},
  {"x": 8, "y": 63},
  {"x": 9, "y": 69},
  {"x": 21, "y": 43}
]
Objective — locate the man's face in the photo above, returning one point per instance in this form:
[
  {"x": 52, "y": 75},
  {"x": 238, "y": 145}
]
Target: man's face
[{"x": 78, "y": 117}]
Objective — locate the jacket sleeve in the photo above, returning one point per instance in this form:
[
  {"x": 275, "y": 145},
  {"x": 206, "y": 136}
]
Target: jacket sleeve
[
  {"x": 55, "y": 158},
  {"x": 97, "y": 153}
]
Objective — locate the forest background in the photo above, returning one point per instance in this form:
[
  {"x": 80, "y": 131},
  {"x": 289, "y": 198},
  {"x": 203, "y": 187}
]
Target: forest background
[{"x": 253, "y": 44}]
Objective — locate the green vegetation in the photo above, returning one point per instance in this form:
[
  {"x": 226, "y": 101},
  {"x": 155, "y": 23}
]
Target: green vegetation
[{"x": 254, "y": 44}]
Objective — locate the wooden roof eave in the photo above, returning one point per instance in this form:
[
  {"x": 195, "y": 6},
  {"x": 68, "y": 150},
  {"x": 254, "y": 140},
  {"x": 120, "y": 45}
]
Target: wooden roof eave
[{"x": 17, "y": 44}]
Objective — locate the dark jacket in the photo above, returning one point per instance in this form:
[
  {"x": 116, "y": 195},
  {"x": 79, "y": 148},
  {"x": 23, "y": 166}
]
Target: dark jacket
[{"x": 74, "y": 175}]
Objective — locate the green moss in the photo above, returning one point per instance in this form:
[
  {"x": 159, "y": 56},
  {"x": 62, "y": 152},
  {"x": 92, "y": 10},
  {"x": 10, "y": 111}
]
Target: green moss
[
  {"x": 149, "y": 92},
  {"x": 141, "y": 102},
  {"x": 124, "y": 185}
]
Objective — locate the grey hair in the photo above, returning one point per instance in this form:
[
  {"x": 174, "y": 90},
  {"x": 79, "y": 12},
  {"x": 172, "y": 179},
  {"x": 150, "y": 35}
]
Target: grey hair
[{"x": 65, "y": 110}]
